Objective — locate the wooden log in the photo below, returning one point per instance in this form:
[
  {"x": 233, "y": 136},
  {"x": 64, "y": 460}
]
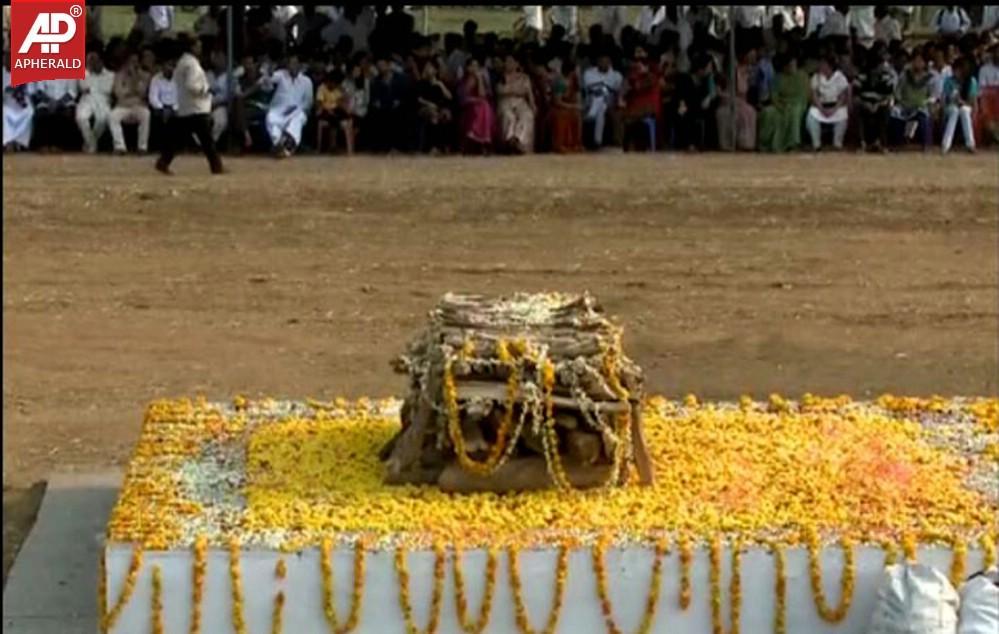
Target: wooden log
[
  {"x": 408, "y": 448},
  {"x": 646, "y": 471},
  {"x": 471, "y": 390},
  {"x": 527, "y": 473},
  {"x": 584, "y": 447}
]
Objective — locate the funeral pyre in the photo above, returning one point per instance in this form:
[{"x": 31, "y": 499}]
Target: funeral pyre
[{"x": 517, "y": 393}]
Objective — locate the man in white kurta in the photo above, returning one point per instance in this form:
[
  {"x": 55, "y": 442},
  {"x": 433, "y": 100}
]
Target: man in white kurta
[
  {"x": 94, "y": 106},
  {"x": 289, "y": 109},
  {"x": 18, "y": 115}
]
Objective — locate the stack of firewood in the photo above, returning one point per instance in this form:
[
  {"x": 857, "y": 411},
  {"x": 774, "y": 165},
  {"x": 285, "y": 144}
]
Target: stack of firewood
[{"x": 518, "y": 393}]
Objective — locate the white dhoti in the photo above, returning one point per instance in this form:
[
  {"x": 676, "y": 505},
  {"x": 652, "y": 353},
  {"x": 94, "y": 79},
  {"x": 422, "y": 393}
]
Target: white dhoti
[
  {"x": 134, "y": 114},
  {"x": 837, "y": 119},
  {"x": 279, "y": 124},
  {"x": 17, "y": 123},
  {"x": 92, "y": 118},
  {"x": 597, "y": 112}
]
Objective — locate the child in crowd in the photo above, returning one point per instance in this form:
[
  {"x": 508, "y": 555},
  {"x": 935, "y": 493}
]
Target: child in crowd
[
  {"x": 333, "y": 113},
  {"x": 913, "y": 100}
]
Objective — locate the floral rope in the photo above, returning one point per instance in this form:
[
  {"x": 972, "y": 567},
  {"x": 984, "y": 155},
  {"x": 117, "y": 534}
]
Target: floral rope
[
  {"x": 461, "y": 601},
  {"x": 357, "y": 594},
  {"x": 438, "y": 590},
  {"x": 198, "y": 582},
  {"x": 837, "y": 614},
  {"x": 236, "y": 586},
  {"x": 561, "y": 571},
  {"x": 652, "y": 598},
  {"x": 780, "y": 590},
  {"x": 686, "y": 555},
  {"x": 111, "y": 616},
  {"x": 157, "y": 615}
]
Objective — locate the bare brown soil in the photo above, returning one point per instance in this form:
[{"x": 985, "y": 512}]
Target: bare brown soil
[{"x": 732, "y": 274}]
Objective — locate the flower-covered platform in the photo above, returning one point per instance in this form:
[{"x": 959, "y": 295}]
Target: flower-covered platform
[{"x": 777, "y": 516}]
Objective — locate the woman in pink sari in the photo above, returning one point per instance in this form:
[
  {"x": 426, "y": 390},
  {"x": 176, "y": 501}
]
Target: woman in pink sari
[{"x": 477, "y": 120}]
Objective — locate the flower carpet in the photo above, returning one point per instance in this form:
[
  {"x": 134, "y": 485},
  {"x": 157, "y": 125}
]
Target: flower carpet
[{"x": 896, "y": 473}]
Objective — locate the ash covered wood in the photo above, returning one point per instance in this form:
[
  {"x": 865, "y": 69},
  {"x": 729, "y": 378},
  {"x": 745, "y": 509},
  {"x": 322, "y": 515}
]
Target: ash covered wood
[{"x": 501, "y": 385}]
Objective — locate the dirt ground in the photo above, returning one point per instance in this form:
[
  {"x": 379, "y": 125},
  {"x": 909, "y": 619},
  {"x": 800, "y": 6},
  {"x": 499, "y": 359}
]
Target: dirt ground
[{"x": 732, "y": 275}]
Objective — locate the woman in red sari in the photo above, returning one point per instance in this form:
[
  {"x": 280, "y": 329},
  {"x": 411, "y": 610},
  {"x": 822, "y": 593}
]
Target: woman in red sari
[
  {"x": 642, "y": 100},
  {"x": 478, "y": 119},
  {"x": 566, "y": 113}
]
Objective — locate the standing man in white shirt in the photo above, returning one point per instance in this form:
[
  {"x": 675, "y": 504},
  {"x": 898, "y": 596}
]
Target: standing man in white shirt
[
  {"x": 861, "y": 21},
  {"x": 289, "y": 108},
  {"x": 567, "y": 16},
  {"x": 194, "y": 106},
  {"x": 94, "y": 106}
]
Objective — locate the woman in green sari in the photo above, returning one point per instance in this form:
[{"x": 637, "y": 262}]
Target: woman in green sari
[{"x": 780, "y": 122}]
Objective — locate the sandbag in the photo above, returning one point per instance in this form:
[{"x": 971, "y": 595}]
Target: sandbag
[
  {"x": 915, "y": 599},
  {"x": 980, "y": 604}
]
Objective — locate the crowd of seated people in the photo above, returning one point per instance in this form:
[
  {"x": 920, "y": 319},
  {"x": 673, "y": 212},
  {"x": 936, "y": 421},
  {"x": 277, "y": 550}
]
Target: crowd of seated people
[{"x": 362, "y": 79}]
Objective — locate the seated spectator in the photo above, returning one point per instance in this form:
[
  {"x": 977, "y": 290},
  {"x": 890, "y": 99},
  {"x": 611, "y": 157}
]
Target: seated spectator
[
  {"x": 740, "y": 133},
  {"x": 218, "y": 84},
  {"x": 357, "y": 87},
  {"x": 641, "y": 102},
  {"x": 18, "y": 113},
  {"x": 55, "y": 113},
  {"x": 477, "y": 120},
  {"x": 876, "y": 89},
  {"x": 515, "y": 107},
  {"x": 959, "y": 99},
  {"x": 333, "y": 112},
  {"x": 131, "y": 90},
  {"x": 252, "y": 99},
  {"x": 887, "y": 28},
  {"x": 434, "y": 102},
  {"x": 913, "y": 99},
  {"x": 951, "y": 21},
  {"x": 602, "y": 87},
  {"x": 386, "y": 110},
  {"x": 566, "y": 115},
  {"x": 830, "y": 104},
  {"x": 696, "y": 100},
  {"x": 289, "y": 108},
  {"x": 94, "y": 107},
  {"x": 162, "y": 102},
  {"x": 780, "y": 122},
  {"x": 988, "y": 99}
]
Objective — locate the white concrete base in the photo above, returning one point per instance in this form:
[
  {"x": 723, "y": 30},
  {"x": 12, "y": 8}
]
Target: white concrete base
[{"x": 629, "y": 573}]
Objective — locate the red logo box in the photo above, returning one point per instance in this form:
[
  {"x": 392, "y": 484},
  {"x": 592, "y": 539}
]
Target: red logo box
[{"x": 48, "y": 40}]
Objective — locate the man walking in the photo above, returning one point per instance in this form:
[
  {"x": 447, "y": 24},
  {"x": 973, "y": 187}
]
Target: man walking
[{"x": 194, "y": 106}]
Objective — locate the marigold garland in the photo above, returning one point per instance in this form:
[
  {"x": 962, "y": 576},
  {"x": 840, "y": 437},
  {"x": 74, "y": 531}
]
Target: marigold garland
[
  {"x": 277, "y": 616},
  {"x": 686, "y": 556},
  {"x": 909, "y": 548},
  {"x": 498, "y": 450},
  {"x": 735, "y": 587},
  {"x": 102, "y": 592},
  {"x": 198, "y": 582},
  {"x": 652, "y": 598},
  {"x": 357, "y": 594},
  {"x": 157, "y": 615},
  {"x": 111, "y": 616},
  {"x": 461, "y": 601},
  {"x": 561, "y": 570},
  {"x": 959, "y": 553},
  {"x": 280, "y": 569},
  {"x": 989, "y": 549},
  {"x": 837, "y": 614},
  {"x": 780, "y": 589},
  {"x": 438, "y": 590},
  {"x": 236, "y": 586}
]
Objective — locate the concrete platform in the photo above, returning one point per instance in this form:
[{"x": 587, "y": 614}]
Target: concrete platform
[{"x": 52, "y": 587}]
